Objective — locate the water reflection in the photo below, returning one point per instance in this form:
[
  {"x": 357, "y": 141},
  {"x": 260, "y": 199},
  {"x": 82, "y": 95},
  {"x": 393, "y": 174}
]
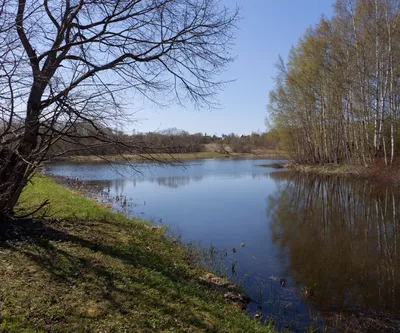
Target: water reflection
[
  {"x": 119, "y": 185},
  {"x": 332, "y": 240},
  {"x": 175, "y": 182},
  {"x": 341, "y": 238}
]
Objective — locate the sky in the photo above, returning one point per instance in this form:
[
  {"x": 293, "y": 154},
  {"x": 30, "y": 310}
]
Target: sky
[{"x": 268, "y": 28}]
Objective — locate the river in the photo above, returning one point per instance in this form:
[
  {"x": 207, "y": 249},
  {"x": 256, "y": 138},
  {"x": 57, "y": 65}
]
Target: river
[{"x": 304, "y": 247}]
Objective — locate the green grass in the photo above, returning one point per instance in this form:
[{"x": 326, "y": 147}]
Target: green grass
[
  {"x": 64, "y": 204},
  {"x": 90, "y": 270}
]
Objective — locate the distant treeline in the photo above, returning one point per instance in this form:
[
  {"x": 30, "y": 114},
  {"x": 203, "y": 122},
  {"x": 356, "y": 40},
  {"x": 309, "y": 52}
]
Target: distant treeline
[
  {"x": 337, "y": 97},
  {"x": 88, "y": 139}
]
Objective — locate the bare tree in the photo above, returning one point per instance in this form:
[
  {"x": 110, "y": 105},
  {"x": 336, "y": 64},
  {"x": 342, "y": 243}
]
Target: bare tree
[{"x": 65, "y": 62}]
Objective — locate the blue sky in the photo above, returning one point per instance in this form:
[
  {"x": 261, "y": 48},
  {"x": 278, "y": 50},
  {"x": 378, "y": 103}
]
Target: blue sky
[{"x": 268, "y": 29}]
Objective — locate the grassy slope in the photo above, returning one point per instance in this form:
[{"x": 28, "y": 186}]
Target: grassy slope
[{"x": 91, "y": 270}]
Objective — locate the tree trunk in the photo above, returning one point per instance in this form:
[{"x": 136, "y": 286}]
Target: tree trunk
[
  {"x": 18, "y": 164},
  {"x": 14, "y": 173},
  {"x": 377, "y": 78}
]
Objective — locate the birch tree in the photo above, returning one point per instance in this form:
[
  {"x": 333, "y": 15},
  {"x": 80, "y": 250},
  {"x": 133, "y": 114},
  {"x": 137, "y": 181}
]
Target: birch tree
[{"x": 340, "y": 86}]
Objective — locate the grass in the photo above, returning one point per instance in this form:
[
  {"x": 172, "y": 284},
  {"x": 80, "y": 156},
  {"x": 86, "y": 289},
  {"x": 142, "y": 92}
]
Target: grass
[
  {"x": 90, "y": 270},
  {"x": 377, "y": 171},
  {"x": 272, "y": 154},
  {"x": 330, "y": 169},
  {"x": 273, "y": 165}
]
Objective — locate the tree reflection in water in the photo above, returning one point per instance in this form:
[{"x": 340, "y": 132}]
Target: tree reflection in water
[{"x": 341, "y": 238}]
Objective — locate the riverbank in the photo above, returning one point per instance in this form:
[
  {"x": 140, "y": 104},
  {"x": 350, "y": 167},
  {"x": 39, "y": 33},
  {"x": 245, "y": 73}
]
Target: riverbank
[
  {"x": 326, "y": 169},
  {"x": 87, "y": 269},
  {"x": 389, "y": 175},
  {"x": 378, "y": 171},
  {"x": 173, "y": 157}
]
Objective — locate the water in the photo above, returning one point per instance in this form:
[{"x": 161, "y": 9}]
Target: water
[{"x": 332, "y": 240}]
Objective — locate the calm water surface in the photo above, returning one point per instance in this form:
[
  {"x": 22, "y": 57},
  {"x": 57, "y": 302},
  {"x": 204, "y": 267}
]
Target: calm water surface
[{"x": 333, "y": 240}]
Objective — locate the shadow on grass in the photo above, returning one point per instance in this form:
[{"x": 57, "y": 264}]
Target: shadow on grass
[{"x": 95, "y": 279}]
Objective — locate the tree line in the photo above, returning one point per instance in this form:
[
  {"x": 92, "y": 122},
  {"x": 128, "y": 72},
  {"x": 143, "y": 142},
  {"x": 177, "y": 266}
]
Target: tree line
[
  {"x": 84, "y": 139},
  {"x": 337, "y": 97}
]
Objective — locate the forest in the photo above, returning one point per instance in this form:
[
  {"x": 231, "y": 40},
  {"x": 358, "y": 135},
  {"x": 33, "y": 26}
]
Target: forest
[{"x": 336, "y": 98}]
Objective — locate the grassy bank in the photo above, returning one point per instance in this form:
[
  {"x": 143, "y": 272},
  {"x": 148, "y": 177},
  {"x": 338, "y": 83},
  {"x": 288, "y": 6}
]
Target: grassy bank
[
  {"x": 89, "y": 270},
  {"x": 389, "y": 175},
  {"x": 177, "y": 157},
  {"x": 331, "y": 169},
  {"x": 327, "y": 169}
]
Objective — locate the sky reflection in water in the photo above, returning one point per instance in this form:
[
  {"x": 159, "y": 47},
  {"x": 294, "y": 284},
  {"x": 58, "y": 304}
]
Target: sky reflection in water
[{"x": 333, "y": 240}]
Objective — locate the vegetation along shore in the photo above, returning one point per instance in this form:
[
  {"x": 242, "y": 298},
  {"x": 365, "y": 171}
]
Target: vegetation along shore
[
  {"x": 375, "y": 172},
  {"x": 87, "y": 269},
  {"x": 270, "y": 154}
]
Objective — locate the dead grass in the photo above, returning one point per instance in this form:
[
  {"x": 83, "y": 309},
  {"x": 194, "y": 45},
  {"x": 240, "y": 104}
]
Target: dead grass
[
  {"x": 259, "y": 154},
  {"x": 377, "y": 171}
]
